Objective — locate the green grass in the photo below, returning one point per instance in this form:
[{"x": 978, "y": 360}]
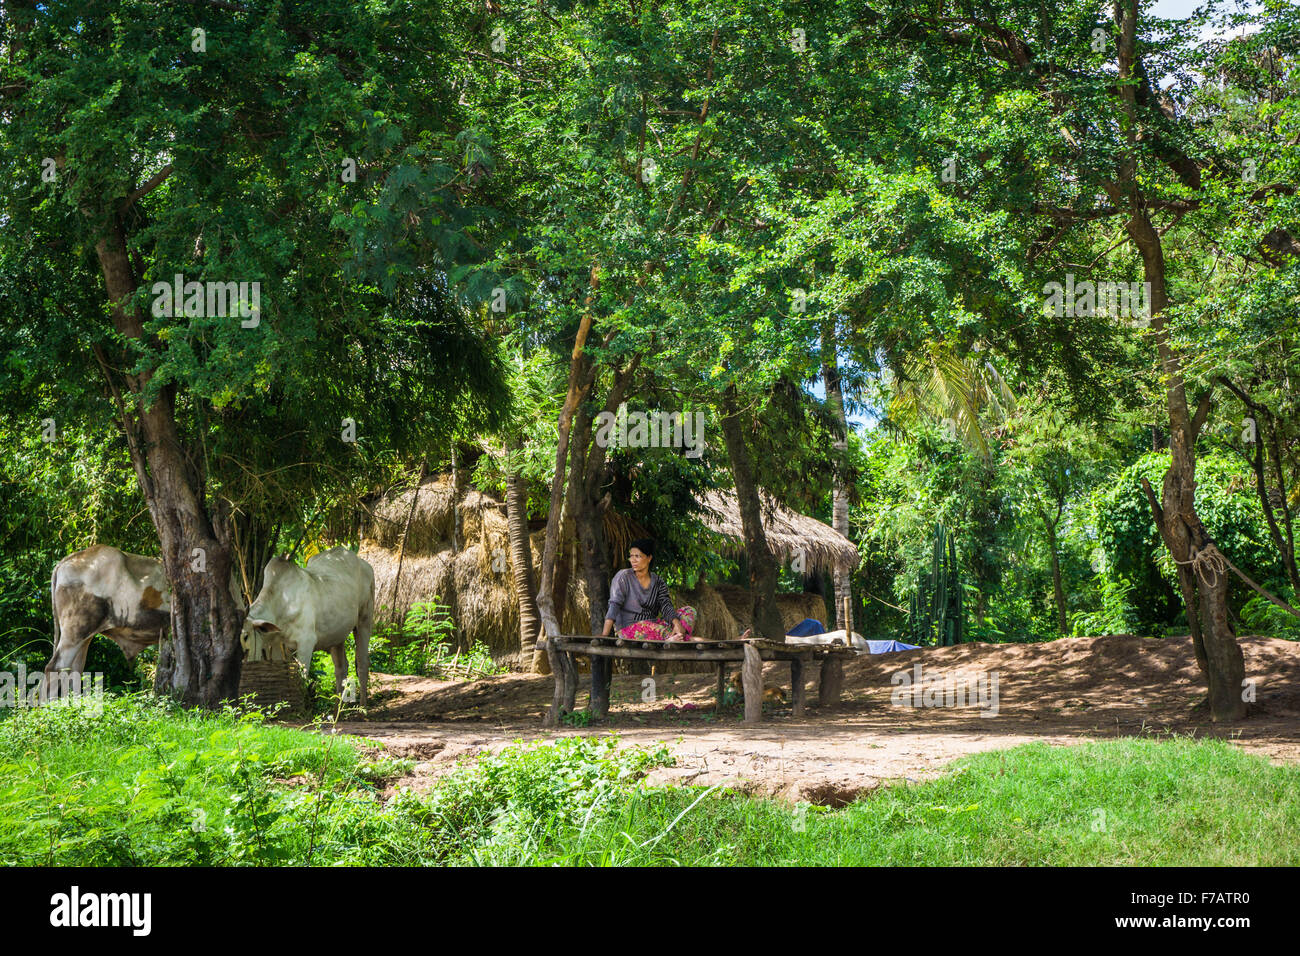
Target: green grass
[
  {"x": 147, "y": 783},
  {"x": 1117, "y": 803}
]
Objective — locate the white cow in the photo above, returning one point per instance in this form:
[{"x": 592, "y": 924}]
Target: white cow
[
  {"x": 101, "y": 590},
  {"x": 317, "y": 607}
]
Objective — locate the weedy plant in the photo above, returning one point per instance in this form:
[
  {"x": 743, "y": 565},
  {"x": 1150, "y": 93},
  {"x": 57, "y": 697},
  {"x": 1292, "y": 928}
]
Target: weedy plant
[{"x": 425, "y": 646}]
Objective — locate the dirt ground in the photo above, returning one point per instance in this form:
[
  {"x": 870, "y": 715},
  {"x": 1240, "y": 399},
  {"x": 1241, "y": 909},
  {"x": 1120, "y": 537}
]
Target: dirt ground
[{"x": 1062, "y": 692}]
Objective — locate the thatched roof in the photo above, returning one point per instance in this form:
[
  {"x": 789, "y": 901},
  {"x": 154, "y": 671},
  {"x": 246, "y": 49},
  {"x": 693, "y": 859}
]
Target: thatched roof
[{"x": 788, "y": 533}]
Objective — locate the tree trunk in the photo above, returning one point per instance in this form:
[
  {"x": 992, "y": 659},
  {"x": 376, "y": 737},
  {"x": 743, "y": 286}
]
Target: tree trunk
[
  {"x": 578, "y": 366},
  {"x": 200, "y": 661},
  {"x": 580, "y": 517},
  {"x": 1181, "y": 527},
  {"x": 589, "y": 464},
  {"x": 568, "y": 539},
  {"x": 762, "y": 566},
  {"x": 1204, "y": 590},
  {"x": 521, "y": 555},
  {"x": 839, "y": 492},
  {"x": 1057, "y": 590}
]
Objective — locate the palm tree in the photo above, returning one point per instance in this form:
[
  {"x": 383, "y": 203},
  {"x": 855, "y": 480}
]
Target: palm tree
[{"x": 937, "y": 383}]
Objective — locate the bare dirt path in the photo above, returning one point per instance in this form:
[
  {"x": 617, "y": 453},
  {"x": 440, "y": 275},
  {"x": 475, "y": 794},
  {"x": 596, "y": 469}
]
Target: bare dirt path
[{"x": 1060, "y": 693}]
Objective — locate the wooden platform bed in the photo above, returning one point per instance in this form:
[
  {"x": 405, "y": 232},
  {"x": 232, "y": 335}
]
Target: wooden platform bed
[{"x": 749, "y": 653}]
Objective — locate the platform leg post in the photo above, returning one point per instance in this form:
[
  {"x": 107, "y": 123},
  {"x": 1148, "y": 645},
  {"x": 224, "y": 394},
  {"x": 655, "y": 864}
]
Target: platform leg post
[
  {"x": 796, "y": 686},
  {"x": 601, "y": 671},
  {"x": 751, "y": 677},
  {"x": 832, "y": 681}
]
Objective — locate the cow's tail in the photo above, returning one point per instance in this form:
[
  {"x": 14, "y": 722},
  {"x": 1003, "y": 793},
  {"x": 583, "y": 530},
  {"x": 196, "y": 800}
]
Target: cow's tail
[
  {"x": 41, "y": 689},
  {"x": 54, "y": 605}
]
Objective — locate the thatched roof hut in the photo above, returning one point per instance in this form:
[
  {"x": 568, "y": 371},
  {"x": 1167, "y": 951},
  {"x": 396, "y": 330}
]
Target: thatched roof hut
[
  {"x": 453, "y": 544},
  {"x": 788, "y": 533}
]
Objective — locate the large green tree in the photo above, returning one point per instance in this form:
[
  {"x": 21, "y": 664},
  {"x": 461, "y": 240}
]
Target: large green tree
[{"x": 312, "y": 152}]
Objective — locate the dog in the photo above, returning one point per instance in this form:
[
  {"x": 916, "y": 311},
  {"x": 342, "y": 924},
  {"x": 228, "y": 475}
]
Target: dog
[{"x": 771, "y": 695}]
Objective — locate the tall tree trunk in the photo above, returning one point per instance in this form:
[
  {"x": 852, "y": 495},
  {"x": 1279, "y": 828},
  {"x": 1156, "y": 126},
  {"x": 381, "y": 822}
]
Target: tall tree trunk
[
  {"x": 1204, "y": 589},
  {"x": 579, "y": 383},
  {"x": 587, "y": 526},
  {"x": 1057, "y": 590},
  {"x": 200, "y": 662},
  {"x": 579, "y": 435},
  {"x": 1190, "y": 544},
  {"x": 762, "y": 566},
  {"x": 521, "y": 555},
  {"x": 839, "y": 492}
]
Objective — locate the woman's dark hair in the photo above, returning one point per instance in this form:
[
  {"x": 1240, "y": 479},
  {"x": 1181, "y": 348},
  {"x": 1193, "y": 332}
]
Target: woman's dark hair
[{"x": 645, "y": 545}]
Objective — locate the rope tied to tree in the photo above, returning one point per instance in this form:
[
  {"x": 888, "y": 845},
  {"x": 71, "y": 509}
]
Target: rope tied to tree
[
  {"x": 1209, "y": 559},
  {"x": 1217, "y": 562}
]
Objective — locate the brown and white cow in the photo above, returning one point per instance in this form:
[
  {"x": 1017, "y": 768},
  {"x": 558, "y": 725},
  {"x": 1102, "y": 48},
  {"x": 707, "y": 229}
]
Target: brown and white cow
[
  {"x": 316, "y": 607},
  {"x": 102, "y": 590}
]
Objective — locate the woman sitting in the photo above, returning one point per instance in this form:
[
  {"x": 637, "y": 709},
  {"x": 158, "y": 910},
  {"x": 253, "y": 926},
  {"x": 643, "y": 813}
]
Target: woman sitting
[{"x": 639, "y": 606}]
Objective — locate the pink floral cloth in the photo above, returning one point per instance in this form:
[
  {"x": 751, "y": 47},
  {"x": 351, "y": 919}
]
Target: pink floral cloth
[{"x": 659, "y": 630}]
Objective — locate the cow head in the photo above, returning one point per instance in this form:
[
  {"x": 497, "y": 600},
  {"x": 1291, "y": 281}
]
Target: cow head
[{"x": 267, "y": 613}]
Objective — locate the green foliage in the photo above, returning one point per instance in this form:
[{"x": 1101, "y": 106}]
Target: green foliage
[
  {"x": 1261, "y": 616},
  {"x": 226, "y": 164},
  {"x": 662, "y": 491},
  {"x": 912, "y": 483},
  {"x": 498, "y": 811},
  {"x": 1134, "y": 560},
  {"x": 936, "y": 615},
  {"x": 1116, "y": 614},
  {"x": 145, "y": 782},
  {"x": 425, "y": 645}
]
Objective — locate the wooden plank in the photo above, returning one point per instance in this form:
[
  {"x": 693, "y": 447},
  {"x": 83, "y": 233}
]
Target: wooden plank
[
  {"x": 636, "y": 654},
  {"x": 705, "y": 650},
  {"x": 796, "y": 686},
  {"x": 751, "y": 676}
]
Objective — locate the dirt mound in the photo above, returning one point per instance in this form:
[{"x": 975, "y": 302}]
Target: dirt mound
[
  {"x": 1109, "y": 672},
  {"x": 1059, "y": 692}
]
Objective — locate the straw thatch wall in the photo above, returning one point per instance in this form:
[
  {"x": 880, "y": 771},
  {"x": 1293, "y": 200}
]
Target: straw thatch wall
[
  {"x": 475, "y": 580},
  {"x": 431, "y": 522}
]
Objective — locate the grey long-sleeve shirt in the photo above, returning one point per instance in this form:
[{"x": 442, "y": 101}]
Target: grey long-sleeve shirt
[{"x": 629, "y": 602}]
